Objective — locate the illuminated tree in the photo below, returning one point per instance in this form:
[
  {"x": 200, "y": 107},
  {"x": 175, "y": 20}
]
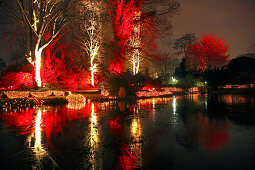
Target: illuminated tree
[
  {"x": 135, "y": 43},
  {"x": 124, "y": 16},
  {"x": 142, "y": 45},
  {"x": 134, "y": 33},
  {"x": 47, "y": 15},
  {"x": 91, "y": 32},
  {"x": 207, "y": 53}
]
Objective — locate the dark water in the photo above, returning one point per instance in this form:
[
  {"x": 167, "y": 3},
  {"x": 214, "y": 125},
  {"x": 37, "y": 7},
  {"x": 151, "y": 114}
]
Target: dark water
[{"x": 182, "y": 132}]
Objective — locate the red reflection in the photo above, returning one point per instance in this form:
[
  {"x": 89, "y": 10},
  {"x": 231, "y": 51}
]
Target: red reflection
[
  {"x": 126, "y": 160},
  {"x": 23, "y": 121},
  {"x": 212, "y": 134},
  {"x": 53, "y": 123},
  {"x": 53, "y": 120},
  {"x": 115, "y": 125}
]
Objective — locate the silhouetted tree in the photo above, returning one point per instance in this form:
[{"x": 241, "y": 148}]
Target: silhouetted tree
[
  {"x": 241, "y": 70},
  {"x": 251, "y": 48},
  {"x": 181, "y": 44}
]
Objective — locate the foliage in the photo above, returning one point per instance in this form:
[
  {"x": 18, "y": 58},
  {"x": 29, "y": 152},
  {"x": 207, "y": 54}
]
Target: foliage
[
  {"x": 130, "y": 82},
  {"x": 17, "y": 81},
  {"x": 207, "y": 53},
  {"x": 241, "y": 70},
  {"x": 187, "y": 82},
  {"x": 123, "y": 16},
  {"x": 18, "y": 67},
  {"x": 61, "y": 73},
  {"x": 216, "y": 77},
  {"x": 181, "y": 44},
  {"x": 117, "y": 66}
]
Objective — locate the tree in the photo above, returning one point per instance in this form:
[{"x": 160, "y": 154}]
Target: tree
[
  {"x": 207, "y": 53},
  {"x": 142, "y": 45},
  {"x": 91, "y": 31},
  {"x": 45, "y": 16},
  {"x": 125, "y": 16},
  {"x": 251, "y": 48},
  {"x": 181, "y": 44},
  {"x": 2, "y": 65},
  {"x": 161, "y": 12},
  {"x": 13, "y": 31},
  {"x": 165, "y": 66},
  {"x": 134, "y": 33}
]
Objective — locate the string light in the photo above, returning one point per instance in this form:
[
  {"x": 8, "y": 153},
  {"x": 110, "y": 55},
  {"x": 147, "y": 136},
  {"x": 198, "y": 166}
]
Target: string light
[
  {"x": 24, "y": 94},
  {"x": 164, "y": 92},
  {"x": 76, "y": 101}
]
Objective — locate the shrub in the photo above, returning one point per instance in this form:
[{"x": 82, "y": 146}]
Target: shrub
[
  {"x": 131, "y": 83},
  {"x": 17, "y": 81}
]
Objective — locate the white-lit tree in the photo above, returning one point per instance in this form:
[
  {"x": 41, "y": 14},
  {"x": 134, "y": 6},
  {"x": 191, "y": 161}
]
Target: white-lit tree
[
  {"x": 91, "y": 32},
  {"x": 48, "y": 17},
  {"x": 136, "y": 44}
]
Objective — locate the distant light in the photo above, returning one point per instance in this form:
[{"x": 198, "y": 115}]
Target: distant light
[
  {"x": 205, "y": 82},
  {"x": 174, "y": 80}
]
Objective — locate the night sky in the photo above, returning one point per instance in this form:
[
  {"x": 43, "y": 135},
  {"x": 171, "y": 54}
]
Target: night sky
[{"x": 230, "y": 20}]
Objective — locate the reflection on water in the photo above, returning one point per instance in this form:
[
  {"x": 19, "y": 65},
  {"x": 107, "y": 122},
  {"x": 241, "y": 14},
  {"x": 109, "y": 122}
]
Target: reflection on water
[
  {"x": 234, "y": 99},
  {"x": 94, "y": 156},
  {"x": 174, "y": 105},
  {"x": 170, "y": 133},
  {"x": 34, "y": 141},
  {"x": 135, "y": 147},
  {"x": 212, "y": 134}
]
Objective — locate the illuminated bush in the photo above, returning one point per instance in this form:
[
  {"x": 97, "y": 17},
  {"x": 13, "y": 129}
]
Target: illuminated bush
[
  {"x": 60, "y": 72},
  {"x": 17, "y": 81}
]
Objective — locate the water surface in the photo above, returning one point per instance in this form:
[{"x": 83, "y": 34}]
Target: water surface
[{"x": 181, "y": 132}]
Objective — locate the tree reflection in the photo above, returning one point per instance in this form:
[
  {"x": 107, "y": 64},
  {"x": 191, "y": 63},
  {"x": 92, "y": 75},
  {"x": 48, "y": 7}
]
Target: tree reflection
[
  {"x": 95, "y": 156},
  {"x": 213, "y": 134},
  {"x": 130, "y": 156},
  {"x": 34, "y": 141},
  {"x": 135, "y": 147}
]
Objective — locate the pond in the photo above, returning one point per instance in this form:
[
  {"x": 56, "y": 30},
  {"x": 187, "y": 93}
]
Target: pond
[{"x": 180, "y": 132}]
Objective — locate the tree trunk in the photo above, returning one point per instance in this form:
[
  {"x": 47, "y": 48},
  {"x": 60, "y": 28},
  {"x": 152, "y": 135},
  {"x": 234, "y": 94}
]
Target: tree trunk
[
  {"x": 92, "y": 78},
  {"x": 38, "y": 54}
]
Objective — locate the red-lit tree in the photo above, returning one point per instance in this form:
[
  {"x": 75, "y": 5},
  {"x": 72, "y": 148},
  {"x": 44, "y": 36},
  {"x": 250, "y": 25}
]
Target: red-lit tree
[
  {"x": 59, "y": 69},
  {"x": 207, "y": 53},
  {"x": 123, "y": 22}
]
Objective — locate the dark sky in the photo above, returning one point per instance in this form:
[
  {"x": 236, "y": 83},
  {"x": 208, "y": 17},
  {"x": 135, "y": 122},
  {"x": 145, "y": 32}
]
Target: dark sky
[{"x": 231, "y": 20}]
